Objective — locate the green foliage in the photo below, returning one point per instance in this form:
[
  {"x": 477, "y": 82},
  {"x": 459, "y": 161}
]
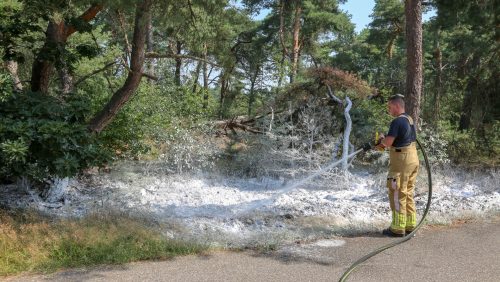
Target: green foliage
[
  {"x": 250, "y": 61},
  {"x": 41, "y": 136},
  {"x": 154, "y": 113},
  {"x": 472, "y": 147},
  {"x": 368, "y": 117}
]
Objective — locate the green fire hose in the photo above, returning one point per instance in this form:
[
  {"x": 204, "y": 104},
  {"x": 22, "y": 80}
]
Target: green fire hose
[{"x": 407, "y": 237}]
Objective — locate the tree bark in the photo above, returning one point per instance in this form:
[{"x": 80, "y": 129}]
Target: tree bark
[
  {"x": 196, "y": 77},
  {"x": 12, "y": 67},
  {"x": 205, "y": 77},
  {"x": 43, "y": 66},
  {"x": 224, "y": 87},
  {"x": 281, "y": 73},
  {"x": 122, "y": 95},
  {"x": 178, "y": 63},
  {"x": 150, "y": 67},
  {"x": 251, "y": 95},
  {"x": 390, "y": 46},
  {"x": 66, "y": 78},
  {"x": 470, "y": 92},
  {"x": 296, "y": 40},
  {"x": 56, "y": 37},
  {"x": 413, "y": 12},
  {"x": 282, "y": 27}
]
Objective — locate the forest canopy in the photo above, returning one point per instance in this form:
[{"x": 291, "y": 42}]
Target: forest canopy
[{"x": 83, "y": 83}]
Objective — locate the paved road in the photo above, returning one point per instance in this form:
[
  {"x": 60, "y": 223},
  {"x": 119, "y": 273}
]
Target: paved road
[{"x": 464, "y": 252}]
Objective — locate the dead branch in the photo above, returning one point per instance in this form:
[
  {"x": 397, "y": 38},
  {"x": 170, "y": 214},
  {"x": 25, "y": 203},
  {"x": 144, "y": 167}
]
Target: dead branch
[
  {"x": 94, "y": 73},
  {"x": 234, "y": 124},
  {"x": 150, "y": 55}
]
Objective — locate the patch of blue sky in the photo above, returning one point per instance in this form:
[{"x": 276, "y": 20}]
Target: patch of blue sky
[{"x": 360, "y": 11}]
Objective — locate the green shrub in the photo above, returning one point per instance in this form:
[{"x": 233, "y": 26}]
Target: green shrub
[
  {"x": 41, "y": 136},
  {"x": 473, "y": 147}
]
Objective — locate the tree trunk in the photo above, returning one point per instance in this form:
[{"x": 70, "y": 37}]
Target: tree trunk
[
  {"x": 282, "y": 27},
  {"x": 65, "y": 77},
  {"x": 470, "y": 92},
  {"x": 296, "y": 41},
  {"x": 42, "y": 66},
  {"x": 196, "y": 77},
  {"x": 205, "y": 77},
  {"x": 178, "y": 64},
  {"x": 223, "y": 93},
  {"x": 150, "y": 67},
  {"x": 413, "y": 12},
  {"x": 12, "y": 67},
  {"x": 122, "y": 95},
  {"x": 281, "y": 73},
  {"x": 251, "y": 96},
  {"x": 56, "y": 37},
  {"x": 205, "y": 82},
  {"x": 438, "y": 82}
]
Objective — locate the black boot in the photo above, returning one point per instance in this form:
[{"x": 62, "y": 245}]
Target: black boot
[{"x": 388, "y": 232}]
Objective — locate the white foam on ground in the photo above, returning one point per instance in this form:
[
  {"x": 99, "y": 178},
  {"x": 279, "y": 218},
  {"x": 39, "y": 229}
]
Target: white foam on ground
[
  {"x": 231, "y": 211},
  {"x": 329, "y": 243}
]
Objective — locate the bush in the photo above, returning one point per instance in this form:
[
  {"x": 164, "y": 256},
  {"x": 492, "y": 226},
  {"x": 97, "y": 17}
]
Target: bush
[
  {"x": 473, "y": 147},
  {"x": 41, "y": 136}
]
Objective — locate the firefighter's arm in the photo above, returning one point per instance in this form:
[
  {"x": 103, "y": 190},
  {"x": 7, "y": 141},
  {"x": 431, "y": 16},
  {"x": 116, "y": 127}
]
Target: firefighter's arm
[{"x": 385, "y": 141}]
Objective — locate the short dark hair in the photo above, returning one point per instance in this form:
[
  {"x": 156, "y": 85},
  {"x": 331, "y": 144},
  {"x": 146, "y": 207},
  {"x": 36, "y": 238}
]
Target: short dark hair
[{"x": 397, "y": 99}]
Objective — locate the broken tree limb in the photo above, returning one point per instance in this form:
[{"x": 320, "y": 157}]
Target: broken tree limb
[
  {"x": 347, "y": 132},
  {"x": 234, "y": 124},
  {"x": 332, "y": 96}
]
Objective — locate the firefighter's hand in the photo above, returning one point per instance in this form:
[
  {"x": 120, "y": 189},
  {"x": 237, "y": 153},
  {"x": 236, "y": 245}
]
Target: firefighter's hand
[{"x": 380, "y": 147}]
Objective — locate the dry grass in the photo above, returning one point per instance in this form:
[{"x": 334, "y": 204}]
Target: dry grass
[{"x": 30, "y": 242}]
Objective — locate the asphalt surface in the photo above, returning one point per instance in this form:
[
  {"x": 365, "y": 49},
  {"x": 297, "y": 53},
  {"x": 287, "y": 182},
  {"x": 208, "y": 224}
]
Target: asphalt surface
[{"x": 466, "y": 251}]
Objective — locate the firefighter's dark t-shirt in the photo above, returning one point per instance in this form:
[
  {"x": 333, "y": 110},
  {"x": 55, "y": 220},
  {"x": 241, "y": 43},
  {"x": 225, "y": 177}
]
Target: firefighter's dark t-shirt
[{"x": 403, "y": 132}]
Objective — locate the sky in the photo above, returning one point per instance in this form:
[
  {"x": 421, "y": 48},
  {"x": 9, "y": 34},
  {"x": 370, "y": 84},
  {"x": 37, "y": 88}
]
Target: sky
[{"x": 360, "y": 11}]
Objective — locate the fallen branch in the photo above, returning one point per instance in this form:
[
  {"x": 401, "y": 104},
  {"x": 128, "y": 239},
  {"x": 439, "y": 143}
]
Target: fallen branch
[
  {"x": 234, "y": 124},
  {"x": 347, "y": 132}
]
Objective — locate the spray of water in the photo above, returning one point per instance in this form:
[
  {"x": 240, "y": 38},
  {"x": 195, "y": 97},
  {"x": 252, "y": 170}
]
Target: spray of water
[{"x": 294, "y": 185}]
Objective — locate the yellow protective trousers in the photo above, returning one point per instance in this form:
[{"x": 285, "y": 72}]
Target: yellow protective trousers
[{"x": 403, "y": 170}]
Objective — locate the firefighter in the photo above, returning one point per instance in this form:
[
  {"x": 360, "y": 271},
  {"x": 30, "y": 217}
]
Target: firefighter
[{"x": 403, "y": 168}]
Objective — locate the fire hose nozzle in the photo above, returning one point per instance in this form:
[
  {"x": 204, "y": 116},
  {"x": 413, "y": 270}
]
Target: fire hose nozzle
[{"x": 367, "y": 146}]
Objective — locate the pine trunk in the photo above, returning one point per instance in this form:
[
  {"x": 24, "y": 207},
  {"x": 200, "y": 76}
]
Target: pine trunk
[
  {"x": 12, "y": 68},
  {"x": 205, "y": 77},
  {"x": 150, "y": 67},
  {"x": 413, "y": 12},
  {"x": 56, "y": 37},
  {"x": 178, "y": 64},
  {"x": 296, "y": 41},
  {"x": 122, "y": 95},
  {"x": 251, "y": 96}
]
